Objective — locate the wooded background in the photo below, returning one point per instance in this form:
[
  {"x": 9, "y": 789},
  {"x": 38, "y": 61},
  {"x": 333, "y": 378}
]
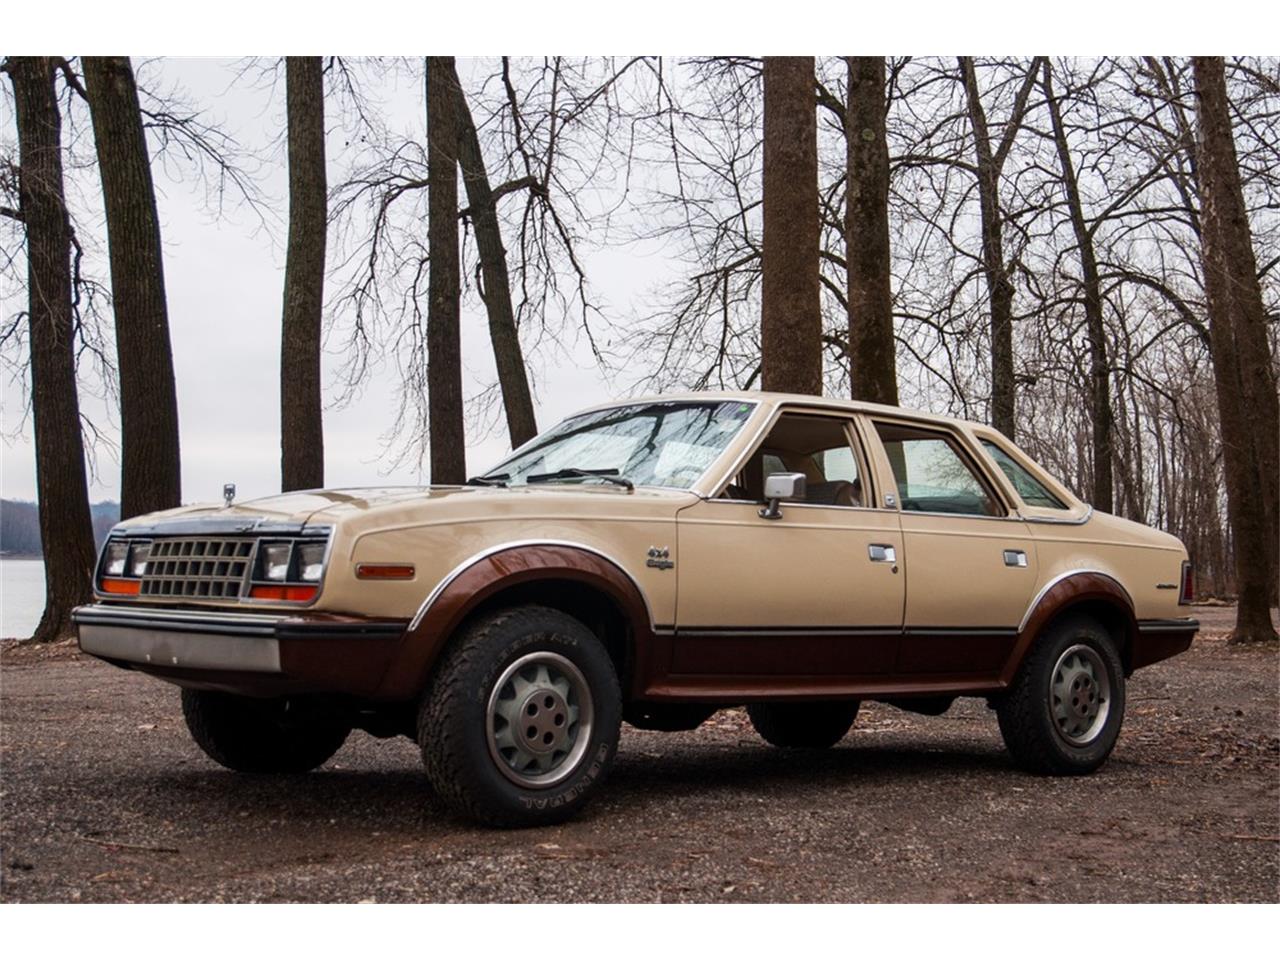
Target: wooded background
[{"x": 1082, "y": 252}]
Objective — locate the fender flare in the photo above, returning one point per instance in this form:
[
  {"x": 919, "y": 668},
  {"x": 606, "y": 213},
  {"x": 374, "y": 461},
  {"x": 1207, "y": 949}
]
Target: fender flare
[
  {"x": 486, "y": 574},
  {"x": 1060, "y": 594}
]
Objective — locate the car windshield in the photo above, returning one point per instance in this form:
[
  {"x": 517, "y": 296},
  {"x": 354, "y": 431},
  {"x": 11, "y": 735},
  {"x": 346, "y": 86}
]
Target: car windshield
[{"x": 650, "y": 444}]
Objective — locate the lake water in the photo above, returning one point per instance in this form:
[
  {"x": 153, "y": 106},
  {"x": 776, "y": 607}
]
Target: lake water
[{"x": 21, "y": 596}]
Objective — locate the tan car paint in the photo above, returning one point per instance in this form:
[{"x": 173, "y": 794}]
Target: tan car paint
[{"x": 738, "y": 568}]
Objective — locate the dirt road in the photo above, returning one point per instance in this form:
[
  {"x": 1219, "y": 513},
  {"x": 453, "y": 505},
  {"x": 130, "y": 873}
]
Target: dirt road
[{"x": 103, "y": 797}]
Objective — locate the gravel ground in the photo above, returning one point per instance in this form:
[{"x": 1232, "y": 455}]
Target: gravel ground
[{"x": 103, "y": 797}]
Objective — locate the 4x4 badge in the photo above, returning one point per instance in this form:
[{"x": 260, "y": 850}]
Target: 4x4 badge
[{"x": 658, "y": 557}]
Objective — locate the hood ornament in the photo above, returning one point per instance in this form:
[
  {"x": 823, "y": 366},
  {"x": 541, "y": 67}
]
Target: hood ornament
[{"x": 228, "y": 493}]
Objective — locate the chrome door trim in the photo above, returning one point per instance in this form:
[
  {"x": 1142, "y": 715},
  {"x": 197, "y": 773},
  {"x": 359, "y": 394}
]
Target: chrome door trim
[
  {"x": 1064, "y": 521},
  {"x": 461, "y": 568}
]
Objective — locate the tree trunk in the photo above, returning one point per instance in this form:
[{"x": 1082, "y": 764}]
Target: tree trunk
[
  {"x": 791, "y": 317},
  {"x": 301, "y": 406},
  {"x": 999, "y": 285},
  {"x": 1100, "y": 413},
  {"x": 66, "y": 530},
  {"x": 1245, "y": 382},
  {"x": 151, "y": 470},
  {"x": 495, "y": 285},
  {"x": 444, "y": 338},
  {"x": 872, "y": 365}
]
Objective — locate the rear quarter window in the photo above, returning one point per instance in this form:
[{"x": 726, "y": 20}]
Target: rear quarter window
[{"x": 1032, "y": 491}]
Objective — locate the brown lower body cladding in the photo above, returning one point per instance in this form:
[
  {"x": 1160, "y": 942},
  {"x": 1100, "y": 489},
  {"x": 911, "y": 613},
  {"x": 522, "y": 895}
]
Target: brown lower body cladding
[{"x": 265, "y": 655}]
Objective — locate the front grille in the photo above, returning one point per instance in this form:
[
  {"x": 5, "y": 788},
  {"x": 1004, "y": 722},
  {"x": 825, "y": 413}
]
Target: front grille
[{"x": 198, "y": 567}]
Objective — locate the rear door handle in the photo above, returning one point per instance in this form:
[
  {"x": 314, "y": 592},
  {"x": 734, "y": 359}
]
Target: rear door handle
[
  {"x": 882, "y": 553},
  {"x": 1015, "y": 558}
]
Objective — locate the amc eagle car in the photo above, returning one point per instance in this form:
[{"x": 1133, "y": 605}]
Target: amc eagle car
[{"x": 649, "y": 561}]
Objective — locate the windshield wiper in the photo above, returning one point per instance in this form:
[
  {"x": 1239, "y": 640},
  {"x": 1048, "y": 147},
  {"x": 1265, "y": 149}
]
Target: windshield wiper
[
  {"x": 489, "y": 480},
  {"x": 573, "y": 473}
]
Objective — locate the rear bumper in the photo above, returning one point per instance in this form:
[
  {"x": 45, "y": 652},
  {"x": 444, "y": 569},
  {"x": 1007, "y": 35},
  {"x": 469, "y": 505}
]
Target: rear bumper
[
  {"x": 1160, "y": 639},
  {"x": 245, "y": 652}
]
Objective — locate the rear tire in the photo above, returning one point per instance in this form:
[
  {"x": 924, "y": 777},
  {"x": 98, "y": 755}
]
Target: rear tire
[
  {"x": 520, "y": 722},
  {"x": 1063, "y": 712},
  {"x": 804, "y": 725},
  {"x": 252, "y": 735}
]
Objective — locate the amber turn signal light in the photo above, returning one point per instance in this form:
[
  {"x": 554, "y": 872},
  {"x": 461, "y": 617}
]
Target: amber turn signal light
[
  {"x": 384, "y": 571},
  {"x": 272, "y": 592},
  {"x": 124, "y": 587}
]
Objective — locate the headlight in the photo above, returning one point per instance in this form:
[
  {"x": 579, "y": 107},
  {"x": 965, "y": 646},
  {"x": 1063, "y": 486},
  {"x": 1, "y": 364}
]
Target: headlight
[
  {"x": 116, "y": 557},
  {"x": 310, "y": 561},
  {"x": 275, "y": 561},
  {"x": 138, "y": 559}
]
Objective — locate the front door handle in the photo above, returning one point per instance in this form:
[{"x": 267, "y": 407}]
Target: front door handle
[
  {"x": 1015, "y": 558},
  {"x": 882, "y": 553}
]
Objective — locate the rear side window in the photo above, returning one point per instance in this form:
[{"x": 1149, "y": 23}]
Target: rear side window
[
  {"x": 1032, "y": 491},
  {"x": 931, "y": 474}
]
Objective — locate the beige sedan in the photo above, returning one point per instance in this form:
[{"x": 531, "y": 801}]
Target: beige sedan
[{"x": 651, "y": 561}]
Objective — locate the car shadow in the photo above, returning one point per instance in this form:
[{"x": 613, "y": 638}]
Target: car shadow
[{"x": 402, "y": 801}]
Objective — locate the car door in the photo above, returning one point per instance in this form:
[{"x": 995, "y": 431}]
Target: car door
[
  {"x": 816, "y": 592},
  {"x": 970, "y": 562}
]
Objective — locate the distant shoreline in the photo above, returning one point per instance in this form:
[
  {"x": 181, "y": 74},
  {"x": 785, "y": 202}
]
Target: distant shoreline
[{"x": 21, "y": 556}]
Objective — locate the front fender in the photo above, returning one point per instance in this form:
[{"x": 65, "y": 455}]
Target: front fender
[{"x": 483, "y": 578}]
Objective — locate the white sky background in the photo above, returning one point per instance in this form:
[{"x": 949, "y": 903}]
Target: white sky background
[{"x": 224, "y": 277}]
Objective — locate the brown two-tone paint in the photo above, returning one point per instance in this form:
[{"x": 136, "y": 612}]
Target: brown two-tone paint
[
  {"x": 505, "y": 568},
  {"x": 728, "y": 665}
]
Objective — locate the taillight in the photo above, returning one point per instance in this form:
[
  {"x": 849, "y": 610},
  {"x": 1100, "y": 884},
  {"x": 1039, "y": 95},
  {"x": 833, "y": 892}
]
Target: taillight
[{"x": 1188, "y": 591}]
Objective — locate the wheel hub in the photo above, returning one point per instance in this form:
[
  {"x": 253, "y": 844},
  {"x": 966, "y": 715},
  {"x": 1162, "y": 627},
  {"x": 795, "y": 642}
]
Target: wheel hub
[
  {"x": 1079, "y": 695},
  {"x": 539, "y": 719},
  {"x": 543, "y": 725}
]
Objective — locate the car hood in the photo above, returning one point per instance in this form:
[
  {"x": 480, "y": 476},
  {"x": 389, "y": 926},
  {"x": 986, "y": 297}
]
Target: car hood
[{"x": 303, "y": 507}]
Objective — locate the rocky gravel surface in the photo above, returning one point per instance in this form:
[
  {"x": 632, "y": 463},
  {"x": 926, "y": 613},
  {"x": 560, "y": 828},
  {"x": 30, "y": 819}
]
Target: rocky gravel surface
[{"x": 103, "y": 797}]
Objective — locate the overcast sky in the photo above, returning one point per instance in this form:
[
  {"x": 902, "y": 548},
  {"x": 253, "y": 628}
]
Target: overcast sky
[{"x": 224, "y": 278}]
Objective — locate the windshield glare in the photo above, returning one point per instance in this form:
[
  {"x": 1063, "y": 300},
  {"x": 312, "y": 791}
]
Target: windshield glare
[{"x": 651, "y": 444}]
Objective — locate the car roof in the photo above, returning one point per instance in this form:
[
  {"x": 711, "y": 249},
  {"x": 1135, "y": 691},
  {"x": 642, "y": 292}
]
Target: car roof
[{"x": 780, "y": 399}]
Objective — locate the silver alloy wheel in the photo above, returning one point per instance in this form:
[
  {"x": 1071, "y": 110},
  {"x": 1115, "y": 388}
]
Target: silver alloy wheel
[
  {"x": 539, "y": 719},
  {"x": 1080, "y": 695}
]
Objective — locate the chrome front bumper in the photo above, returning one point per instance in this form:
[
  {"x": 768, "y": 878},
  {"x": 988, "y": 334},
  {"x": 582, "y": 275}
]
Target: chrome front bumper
[
  {"x": 238, "y": 642},
  {"x": 193, "y": 639}
]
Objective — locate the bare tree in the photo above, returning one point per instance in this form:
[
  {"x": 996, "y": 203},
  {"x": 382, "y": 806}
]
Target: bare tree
[
  {"x": 790, "y": 314},
  {"x": 1246, "y": 383},
  {"x": 990, "y": 160},
  {"x": 66, "y": 530},
  {"x": 872, "y": 364},
  {"x": 151, "y": 468},
  {"x": 1091, "y": 291},
  {"x": 493, "y": 279},
  {"x": 301, "y": 404},
  {"x": 444, "y": 338}
]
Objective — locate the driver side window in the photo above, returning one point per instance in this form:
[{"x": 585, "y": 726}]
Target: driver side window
[{"x": 817, "y": 446}]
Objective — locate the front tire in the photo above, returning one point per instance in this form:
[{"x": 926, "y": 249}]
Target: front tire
[
  {"x": 520, "y": 722},
  {"x": 804, "y": 725},
  {"x": 1063, "y": 713},
  {"x": 251, "y": 735}
]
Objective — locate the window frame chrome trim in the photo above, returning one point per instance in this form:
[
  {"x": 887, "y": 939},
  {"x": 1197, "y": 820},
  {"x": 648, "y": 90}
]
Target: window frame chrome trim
[{"x": 1061, "y": 521}]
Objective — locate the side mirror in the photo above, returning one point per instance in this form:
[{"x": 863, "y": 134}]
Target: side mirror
[{"x": 779, "y": 487}]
